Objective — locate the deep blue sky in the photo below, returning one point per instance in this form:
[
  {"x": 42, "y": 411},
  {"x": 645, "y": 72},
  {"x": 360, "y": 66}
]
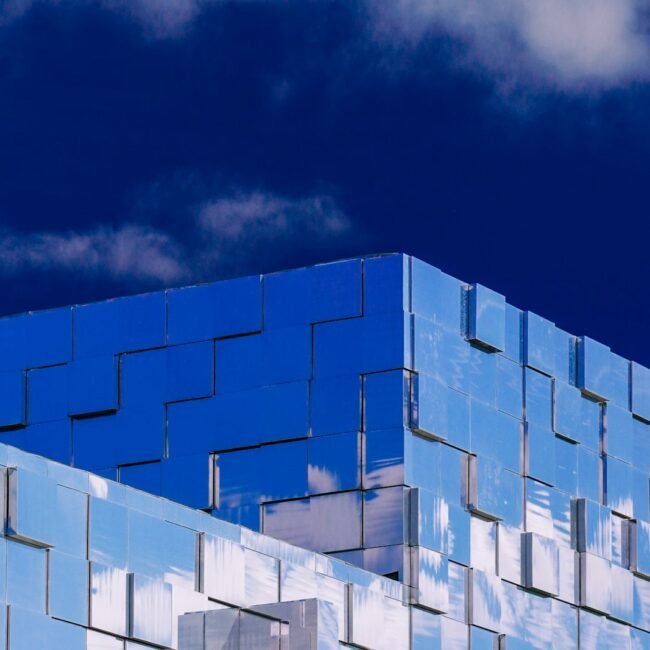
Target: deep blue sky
[{"x": 158, "y": 142}]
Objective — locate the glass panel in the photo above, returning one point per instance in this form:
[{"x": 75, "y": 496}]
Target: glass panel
[
  {"x": 26, "y": 576},
  {"x": 108, "y": 598},
  {"x": 151, "y": 610},
  {"x": 68, "y": 588}
]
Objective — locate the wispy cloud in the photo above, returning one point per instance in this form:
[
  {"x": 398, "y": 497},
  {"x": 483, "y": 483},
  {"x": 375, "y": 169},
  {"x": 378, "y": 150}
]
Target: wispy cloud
[
  {"x": 226, "y": 233},
  {"x": 130, "y": 252},
  {"x": 567, "y": 45}
]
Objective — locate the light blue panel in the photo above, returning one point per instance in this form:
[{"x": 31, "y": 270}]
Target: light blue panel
[
  {"x": 641, "y": 445},
  {"x": 386, "y": 400},
  {"x": 509, "y": 553},
  {"x": 483, "y": 639},
  {"x": 150, "y": 603},
  {"x": 108, "y": 534},
  {"x": 514, "y": 334},
  {"x": 429, "y": 521},
  {"x": 26, "y": 576},
  {"x": 510, "y": 387},
  {"x": 345, "y": 392},
  {"x": 589, "y": 474},
  {"x": 619, "y": 433},
  {"x": 495, "y": 435},
  {"x": 310, "y": 295},
  {"x": 384, "y": 458},
  {"x": 386, "y": 284},
  {"x": 99, "y": 641},
  {"x": 50, "y": 439},
  {"x": 541, "y": 564},
  {"x": 486, "y": 604},
  {"x": 272, "y": 413},
  {"x": 68, "y": 578},
  {"x": 595, "y": 582},
  {"x": 538, "y": 354},
  {"x": 594, "y": 368},
  {"x": 362, "y": 345},
  {"x": 565, "y": 625},
  {"x": 593, "y": 528},
  {"x": 42, "y": 338},
  {"x": 641, "y": 603},
  {"x": 68, "y": 636},
  {"x": 487, "y": 317},
  {"x": 436, "y": 296},
  {"x": 457, "y": 588},
  {"x": 640, "y": 640},
  {"x": 334, "y": 463},
  {"x": 108, "y": 599},
  {"x": 622, "y": 594},
  {"x": 459, "y": 535},
  {"x": 430, "y": 578},
  {"x": 454, "y": 635},
  {"x": 48, "y": 394},
  {"x": 248, "y": 476},
  {"x": 541, "y": 462},
  {"x": 272, "y": 357},
  {"x": 27, "y": 629},
  {"x": 13, "y": 405},
  {"x": 131, "y": 435},
  {"x": 566, "y": 469},
  {"x": 30, "y": 507},
  {"x": 214, "y": 310},
  {"x": 564, "y": 346},
  {"x": 539, "y": 509},
  {"x": 482, "y": 375},
  {"x": 640, "y": 390},
  {"x": 453, "y": 475},
  {"x": 122, "y": 325},
  {"x": 175, "y": 561},
  {"x": 426, "y": 630},
  {"x": 143, "y": 476},
  {"x": 498, "y": 493},
  {"x": 619, "y": 384},
  {"x": 619, "y": 486},
  {"x": 92, "y": 385},
  {"x": 641, "y": 494},
  {"x": 196, "y": 492},
  {"x": 622, "y": 541},
  {"x": 576, "y": 417},
  {"x": 538, "y": 398},
  {"x": 384, "y": 516},
  {"x": 70, "y": 522}
]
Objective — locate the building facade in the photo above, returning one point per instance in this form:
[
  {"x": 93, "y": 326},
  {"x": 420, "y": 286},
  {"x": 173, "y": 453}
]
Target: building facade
[{"x": 444, "y": 469}]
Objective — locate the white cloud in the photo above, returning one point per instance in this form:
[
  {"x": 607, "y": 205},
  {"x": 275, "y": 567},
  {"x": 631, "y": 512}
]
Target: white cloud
[
  {"x": 563, "y": 44},
  {"x": 228, "y": 233},
  {"x": 129, "y": 252}
]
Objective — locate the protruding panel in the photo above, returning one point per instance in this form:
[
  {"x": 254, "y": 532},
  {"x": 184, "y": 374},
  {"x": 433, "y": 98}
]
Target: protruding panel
[{"x": 487, "y": 317}]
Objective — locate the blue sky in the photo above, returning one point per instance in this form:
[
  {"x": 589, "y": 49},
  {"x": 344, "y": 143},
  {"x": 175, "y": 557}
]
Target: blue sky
[{"x": 153, "y": 143}]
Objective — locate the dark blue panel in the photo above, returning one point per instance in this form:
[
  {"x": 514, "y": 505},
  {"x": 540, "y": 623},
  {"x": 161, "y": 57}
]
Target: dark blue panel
[
  {"x": 143, "y": 377},
  {"x": 13, "y": 405},
  {"x": 334, "y": 463},
  {"x": 386, "y": 400},
  {"x": 273, "y": 357},
  {"x": 253, "y": 476},
  {"x": 187, "y": 480},
  {"x": 50, "y": 439},
  {"x": 248, "y": 516},
  {"x": 189, "y": 371},
  {"x": 362, "y": 345},
  {"x": 335, "y": 404},
  {"x": 314, "y": 294},
  {"x": 130, "y": 436},
  {"x": 146, "y": 477},
  {"x": 92, "y": 385},
  {"x": 386, "y": 284},
  {"x": 437, "y": 296},
  {"x": 40, "y": 339},
  {"x": 47, "y": 394},
  {"x": 384, "y": 458},
  {"x": 122, "y": 325},
  {"x": 215, "y": 310},
  {"x": 239, "y": 419}
]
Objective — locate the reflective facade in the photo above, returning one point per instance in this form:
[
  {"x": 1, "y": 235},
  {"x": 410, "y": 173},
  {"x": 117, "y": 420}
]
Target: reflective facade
[{"x": 376, "y": 410}]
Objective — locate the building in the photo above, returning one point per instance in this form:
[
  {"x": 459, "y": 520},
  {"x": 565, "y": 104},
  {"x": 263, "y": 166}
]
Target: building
[{"x": 445, "y": 471}]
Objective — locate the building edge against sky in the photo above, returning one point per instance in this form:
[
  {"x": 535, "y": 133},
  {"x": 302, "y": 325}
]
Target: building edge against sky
[{"x": 378, "y": 410}]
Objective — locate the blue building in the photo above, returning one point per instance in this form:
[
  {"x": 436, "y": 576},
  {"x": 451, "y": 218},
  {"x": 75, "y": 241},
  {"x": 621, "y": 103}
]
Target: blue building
[{"x": 445, "y": 471}]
